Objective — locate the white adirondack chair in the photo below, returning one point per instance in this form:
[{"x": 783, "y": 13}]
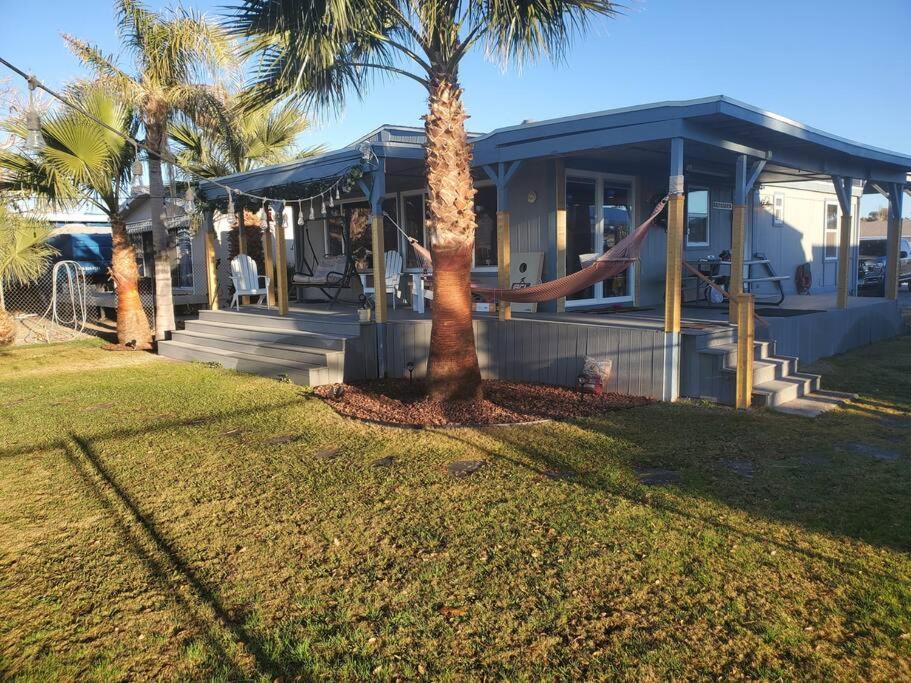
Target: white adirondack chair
[
  {"x": 393, "y": 277},
  {"x": 246, "y": 280}
]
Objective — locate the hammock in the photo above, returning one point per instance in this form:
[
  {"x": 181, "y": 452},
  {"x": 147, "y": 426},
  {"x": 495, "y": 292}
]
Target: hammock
[{"x": 610, "y": 264}]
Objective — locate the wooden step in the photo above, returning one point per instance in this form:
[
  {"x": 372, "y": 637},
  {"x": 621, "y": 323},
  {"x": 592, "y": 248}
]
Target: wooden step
[
  {"x": 333, "y": 323},
  {"x": 333, "y": 360},
  {"x": 310, "y": 340},
  {"x": 304, "y": 374}
]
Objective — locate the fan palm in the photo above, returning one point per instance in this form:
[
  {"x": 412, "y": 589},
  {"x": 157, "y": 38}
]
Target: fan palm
[
  {"x": 316, "y": 52},
  {"x": 83, "y": 162},
  {"x": 173, "y": 52},
  {"x": 241, "y": 140},
  {"x": 24, "y": 256}
]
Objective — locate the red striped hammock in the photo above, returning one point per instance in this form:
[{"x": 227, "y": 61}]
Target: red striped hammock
[{"x": 610, "y": 264}]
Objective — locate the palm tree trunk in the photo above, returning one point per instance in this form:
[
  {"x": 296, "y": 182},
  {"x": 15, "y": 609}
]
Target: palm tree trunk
[
  {"x": 453, "y": 371},
  {"x": 156, "y": 138},
  {"x": 132, "y": 323}
]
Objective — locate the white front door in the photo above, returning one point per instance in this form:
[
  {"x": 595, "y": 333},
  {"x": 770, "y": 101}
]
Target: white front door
[{"x": 599, "y": 213}]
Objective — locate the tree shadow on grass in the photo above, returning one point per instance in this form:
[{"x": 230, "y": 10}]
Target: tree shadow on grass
[
  {"x": 610, "y": 473},
  {"x": 165, "y": 565}
]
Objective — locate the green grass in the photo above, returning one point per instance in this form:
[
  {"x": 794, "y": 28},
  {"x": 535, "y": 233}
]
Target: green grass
[{"x": 143, "y": 537}]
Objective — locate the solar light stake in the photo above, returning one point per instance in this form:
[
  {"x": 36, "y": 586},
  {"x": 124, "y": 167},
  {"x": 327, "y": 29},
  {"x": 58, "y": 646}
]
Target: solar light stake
[
  {"x": 580, "y": 381},
  {"x": 409, "y": 366}
]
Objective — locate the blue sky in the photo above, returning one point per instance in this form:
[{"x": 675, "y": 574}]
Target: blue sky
[{"x": 782, "y": 55}]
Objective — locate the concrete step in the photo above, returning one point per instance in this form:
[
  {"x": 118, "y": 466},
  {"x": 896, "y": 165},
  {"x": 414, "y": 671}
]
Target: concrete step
[
  {"x": 766, "y": 370},
  {"x": 728, "y": 352},
  {"x": 333, "y": 360},
  {"x": 313, "y": 340},
  {"x": 333, "y": 323},
  {"x": 780, "y": 391},
  {"x": 303, "y": 374}
]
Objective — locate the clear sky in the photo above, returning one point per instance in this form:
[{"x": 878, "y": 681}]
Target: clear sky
[{"x": 837, "y": 65}]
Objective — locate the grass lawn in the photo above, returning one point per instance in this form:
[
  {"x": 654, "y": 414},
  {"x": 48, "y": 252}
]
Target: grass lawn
[{"x": 154, "y": 524}]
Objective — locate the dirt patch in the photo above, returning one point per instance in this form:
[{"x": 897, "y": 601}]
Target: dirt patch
[{"x": 400, "y": 402}]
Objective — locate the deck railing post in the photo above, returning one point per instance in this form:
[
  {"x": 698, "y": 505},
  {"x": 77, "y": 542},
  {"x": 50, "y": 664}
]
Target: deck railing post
[
  {"x": 379, "y": 266},
  {"x": 893, "y": 240},
  {"x": 208, "y": 227},
  {"x": 560, "y": 227},
  {"x": 268, "y": 259},
  {"x": 745, "y": 337},
  {"x": 281, "y": 258},
  {"x": 504, "y": 310}
]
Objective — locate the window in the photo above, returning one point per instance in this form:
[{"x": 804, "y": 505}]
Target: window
[
  {"x": 413, "y": 224},
  {"x": 485, "y": 237},
  {"x": 830, "y": 248},
  {"x": 356, "y": 216},
  {"x": 778, "y": 209},
  {"x": 697, "y": 218},
  {"x": 181, "y": 241}
]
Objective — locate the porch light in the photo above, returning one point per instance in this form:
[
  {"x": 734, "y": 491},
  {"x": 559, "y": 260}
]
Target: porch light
[
  {"x": 366, "y": 150},
  {"x": 34, "y": 140}
]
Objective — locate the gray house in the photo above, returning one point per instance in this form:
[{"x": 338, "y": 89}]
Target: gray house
[{"x": 753, "y": 196}]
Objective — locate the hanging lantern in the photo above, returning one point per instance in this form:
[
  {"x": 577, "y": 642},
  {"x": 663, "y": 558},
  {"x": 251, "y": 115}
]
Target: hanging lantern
[
  {"x": 312, "y": 216},
  {"x": 136, "y": 170},
  {"x": 34, "y": 140},
  {"x": 190, "y": 200}
]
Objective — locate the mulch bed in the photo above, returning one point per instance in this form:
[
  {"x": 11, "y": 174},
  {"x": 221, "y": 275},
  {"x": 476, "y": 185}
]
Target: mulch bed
[{"x": 400, "y": 402}]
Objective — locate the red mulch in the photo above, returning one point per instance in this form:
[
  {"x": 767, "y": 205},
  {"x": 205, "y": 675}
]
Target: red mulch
[{"x": 398, "y": 401}]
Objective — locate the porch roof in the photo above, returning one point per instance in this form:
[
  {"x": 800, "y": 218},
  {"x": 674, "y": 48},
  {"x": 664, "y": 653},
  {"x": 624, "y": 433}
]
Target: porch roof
[{"x": 718, "y": 125}]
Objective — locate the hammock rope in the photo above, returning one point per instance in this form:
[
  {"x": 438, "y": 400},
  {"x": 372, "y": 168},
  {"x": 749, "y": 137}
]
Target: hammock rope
[{"x": 610, "y": 264}]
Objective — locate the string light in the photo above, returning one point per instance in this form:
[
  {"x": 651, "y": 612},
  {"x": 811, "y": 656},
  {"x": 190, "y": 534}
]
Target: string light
[
  {"x": 231, "y": 209},
  {"x": 322, "y": 209},
  {"x": 190, "y": 200},
  {"x": 312, "y": 216},
  {"x": 300, "y": 213},
  {"x": 35, "y": 142},
  {"x": 264, "y": 217}
]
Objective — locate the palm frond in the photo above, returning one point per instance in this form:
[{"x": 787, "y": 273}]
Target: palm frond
[{"x": 24, "y": 251}]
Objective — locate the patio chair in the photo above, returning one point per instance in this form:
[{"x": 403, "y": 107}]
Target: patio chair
[
  {"x": 393, "y": 277},
  {"x": 246, "y": 280}
]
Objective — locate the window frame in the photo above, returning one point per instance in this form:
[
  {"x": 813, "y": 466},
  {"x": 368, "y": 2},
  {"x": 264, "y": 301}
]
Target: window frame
[
  {"x": 826, "y": 231},
  {"x": 777, "y": 220},
  {"x": 708, "y": 218}
]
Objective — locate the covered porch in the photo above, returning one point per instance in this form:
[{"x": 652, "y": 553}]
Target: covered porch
[{"x": 570, "y": 188}]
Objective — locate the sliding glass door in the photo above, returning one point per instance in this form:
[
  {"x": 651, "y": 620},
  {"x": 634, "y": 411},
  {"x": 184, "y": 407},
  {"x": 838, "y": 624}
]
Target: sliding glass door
[{"x": 599, "y": 213}]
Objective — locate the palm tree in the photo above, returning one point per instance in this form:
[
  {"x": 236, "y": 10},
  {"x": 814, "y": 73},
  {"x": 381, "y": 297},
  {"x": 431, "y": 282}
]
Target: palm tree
[
  {"x": 173, "y": 52},
  {"x": 24, "y": 256},
  {"x": 83, "y": 162},
  {"x": 317, "y": 52},
  {"x": 241, "y": 140}
]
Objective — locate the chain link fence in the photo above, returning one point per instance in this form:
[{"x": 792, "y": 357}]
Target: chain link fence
[{"x": 67, "y": 303}]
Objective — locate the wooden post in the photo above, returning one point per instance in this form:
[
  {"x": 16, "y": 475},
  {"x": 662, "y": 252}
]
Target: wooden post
[
  {"x": 674, "y": 265},
  {"x": 503, "y": 308},
  {"x": 268, "y": 263},
  {"x": 844, "y": 252},
  {"x": 242, "y": 244},
  {"x": 211, "y": 277},
  {"x": 379, "y": 267},
  {"x": 745, "y": 336},
  {"x": 893, "y": 239},
  {"x": 281, "y": 258},
  {"x": 738, "y": 230},
  {"x": 560, "y": 238}
]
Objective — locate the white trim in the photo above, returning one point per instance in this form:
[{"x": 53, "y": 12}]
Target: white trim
[
  {"x": 825, "y": 228},
  {"x": 708, "y": 217},
  {"x": 777, "y": 220},
  {"x": 600, "y": 178}
]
